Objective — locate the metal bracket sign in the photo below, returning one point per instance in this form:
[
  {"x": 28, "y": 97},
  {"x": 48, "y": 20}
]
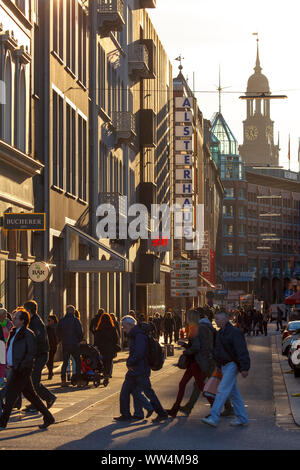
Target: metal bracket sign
[
  {"x": 184, "y": 293},
  {"x": 96, "y": 266},
  {"x": 26, "y": 221},
  {"x": 182, "y": 264},
  {"x": 187, "y": 284}
]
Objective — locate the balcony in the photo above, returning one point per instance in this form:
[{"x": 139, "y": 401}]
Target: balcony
[
  {"x": 138, "y": 61},
  {"x": 110, "y": 16},
  {"x": 150, "y": 44},
  {"x": 148, "y": 128},
  {"x": 147, "y": 3},
  {"x": 124, "y": 125}
]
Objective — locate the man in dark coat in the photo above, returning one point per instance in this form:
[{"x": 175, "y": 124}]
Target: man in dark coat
[
  {"x": 137, "y": 379},
  {"x": 177, "y": 326},
  {"x": 231, "y": 356},
  {"x": 42, "y": 354},
  {"x": 157, "y": 323},
  {"x": 21, "y": 352},
  {"x": 168, "y": 327},
  {"x": 95, "y": 321},
  {"x": 69, "y": 332}
]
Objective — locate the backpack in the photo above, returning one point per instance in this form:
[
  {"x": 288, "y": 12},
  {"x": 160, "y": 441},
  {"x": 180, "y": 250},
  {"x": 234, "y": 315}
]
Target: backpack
[{"x": 156, "y": 354}]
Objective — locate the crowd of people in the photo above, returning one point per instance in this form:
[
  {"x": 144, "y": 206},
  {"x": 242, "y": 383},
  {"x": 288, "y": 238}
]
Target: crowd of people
[
  {"x": 209, "y": 353},
  {"x": 250, "y": 320},
  {"x": 27, "y": 346}
]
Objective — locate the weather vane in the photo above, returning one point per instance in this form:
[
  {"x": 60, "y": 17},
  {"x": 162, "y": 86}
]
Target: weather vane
[{"x": 180, "y": 59}]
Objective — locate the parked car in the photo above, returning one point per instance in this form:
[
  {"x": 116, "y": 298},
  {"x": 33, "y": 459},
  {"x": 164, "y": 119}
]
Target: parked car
[
  {"x": 290, "y": 328},
  {"x": 286, "y": 343},
  {"x": 294, "y": 356}
]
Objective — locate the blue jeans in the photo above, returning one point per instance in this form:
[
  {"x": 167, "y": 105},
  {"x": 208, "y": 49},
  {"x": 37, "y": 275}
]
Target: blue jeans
[
  {"x": 132, "y": 386},
  {"x": 228, "y": 389},
  {"x": 143, "y": 385}
]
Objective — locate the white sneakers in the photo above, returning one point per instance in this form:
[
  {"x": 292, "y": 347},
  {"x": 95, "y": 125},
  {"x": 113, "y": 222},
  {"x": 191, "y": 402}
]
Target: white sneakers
[
  {"x": 235, "y": 423},
  {"x": 210, "y": 421}
]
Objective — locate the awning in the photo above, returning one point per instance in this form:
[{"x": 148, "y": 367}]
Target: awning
[
  {"x": 293, "y": 299},
  {"x": 116, "y": 263},
  {"x": 207, "y": 281}
]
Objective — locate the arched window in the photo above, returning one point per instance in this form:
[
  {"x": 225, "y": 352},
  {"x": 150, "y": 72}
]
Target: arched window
[
  {"x": 7, "y": 131},
  {"x": 22, "y": 113}
]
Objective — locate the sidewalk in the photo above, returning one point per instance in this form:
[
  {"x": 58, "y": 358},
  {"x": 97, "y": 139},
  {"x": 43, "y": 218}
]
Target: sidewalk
[{"x": 73, "y": 401}]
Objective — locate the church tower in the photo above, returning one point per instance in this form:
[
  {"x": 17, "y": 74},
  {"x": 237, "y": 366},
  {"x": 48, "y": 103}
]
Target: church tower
[{"x": 258, "y": 147}]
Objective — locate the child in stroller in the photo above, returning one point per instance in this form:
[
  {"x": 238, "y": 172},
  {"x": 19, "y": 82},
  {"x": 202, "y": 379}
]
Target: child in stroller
[{"x": 91, "y": 367}]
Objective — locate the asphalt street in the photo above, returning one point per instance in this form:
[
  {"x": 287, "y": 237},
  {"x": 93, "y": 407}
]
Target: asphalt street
[{"x": 94, "y": 428}]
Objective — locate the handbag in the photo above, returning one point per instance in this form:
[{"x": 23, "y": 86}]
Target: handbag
[
  {"x": 183, "y": 361},
  {"x": 211, "y": 387}
]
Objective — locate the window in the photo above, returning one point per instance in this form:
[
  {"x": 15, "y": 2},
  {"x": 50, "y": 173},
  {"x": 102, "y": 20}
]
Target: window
[
  {"x": 242, "y": 249},
  {"x": 71, "y": 149},
  {"x": 228, "y": 248},
  {"x": 82, "y": 43},
  {"x": 82, "y": 158},
  {"x": 228, "y": 211},
  {"x": 241, "y": 212},
  {"x": 22, "y": 118},
  {"x": 242, "y": 229},
  {"x": 241, "y": 194},
  {"x": 58, "y": 161},
  {"x": 7, "y": 109},
  {"x": 229, "y": 192},
  {"x": 228, "y": 230},
  {"x": 101, "y": 76}
]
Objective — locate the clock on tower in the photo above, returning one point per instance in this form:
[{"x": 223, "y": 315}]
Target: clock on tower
[{"x": 258, "y": 147}]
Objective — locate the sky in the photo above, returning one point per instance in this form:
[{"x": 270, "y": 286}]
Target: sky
[{"x": 209, "y": 34}]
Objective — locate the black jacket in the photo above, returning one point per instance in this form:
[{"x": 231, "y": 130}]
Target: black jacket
[
  {"x": 69, "y": 331},
  {"x": 23, "y": 349},
  {"x": 138, "y": 359},
  {"x": 52, "y": 337},
  {"x": 38, "y": 327},
  {"x": 106, "y": 340},
  {"x": 231, "y": 346}
]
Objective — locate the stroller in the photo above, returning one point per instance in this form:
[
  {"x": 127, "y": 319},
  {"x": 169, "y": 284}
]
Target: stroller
[{"x": 91, "y": 367}]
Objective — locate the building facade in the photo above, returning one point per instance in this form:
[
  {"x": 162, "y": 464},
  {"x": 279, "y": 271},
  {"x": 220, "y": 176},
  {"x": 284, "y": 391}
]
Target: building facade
[{"x": 20, "y": 161}]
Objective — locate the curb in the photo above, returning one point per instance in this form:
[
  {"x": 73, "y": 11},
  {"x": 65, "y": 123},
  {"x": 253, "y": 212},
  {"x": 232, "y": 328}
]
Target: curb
[{"x": 285, "y": 412}]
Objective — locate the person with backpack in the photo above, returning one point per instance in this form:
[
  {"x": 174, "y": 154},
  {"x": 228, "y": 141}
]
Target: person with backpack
[{"x": 137, "y": 379}]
